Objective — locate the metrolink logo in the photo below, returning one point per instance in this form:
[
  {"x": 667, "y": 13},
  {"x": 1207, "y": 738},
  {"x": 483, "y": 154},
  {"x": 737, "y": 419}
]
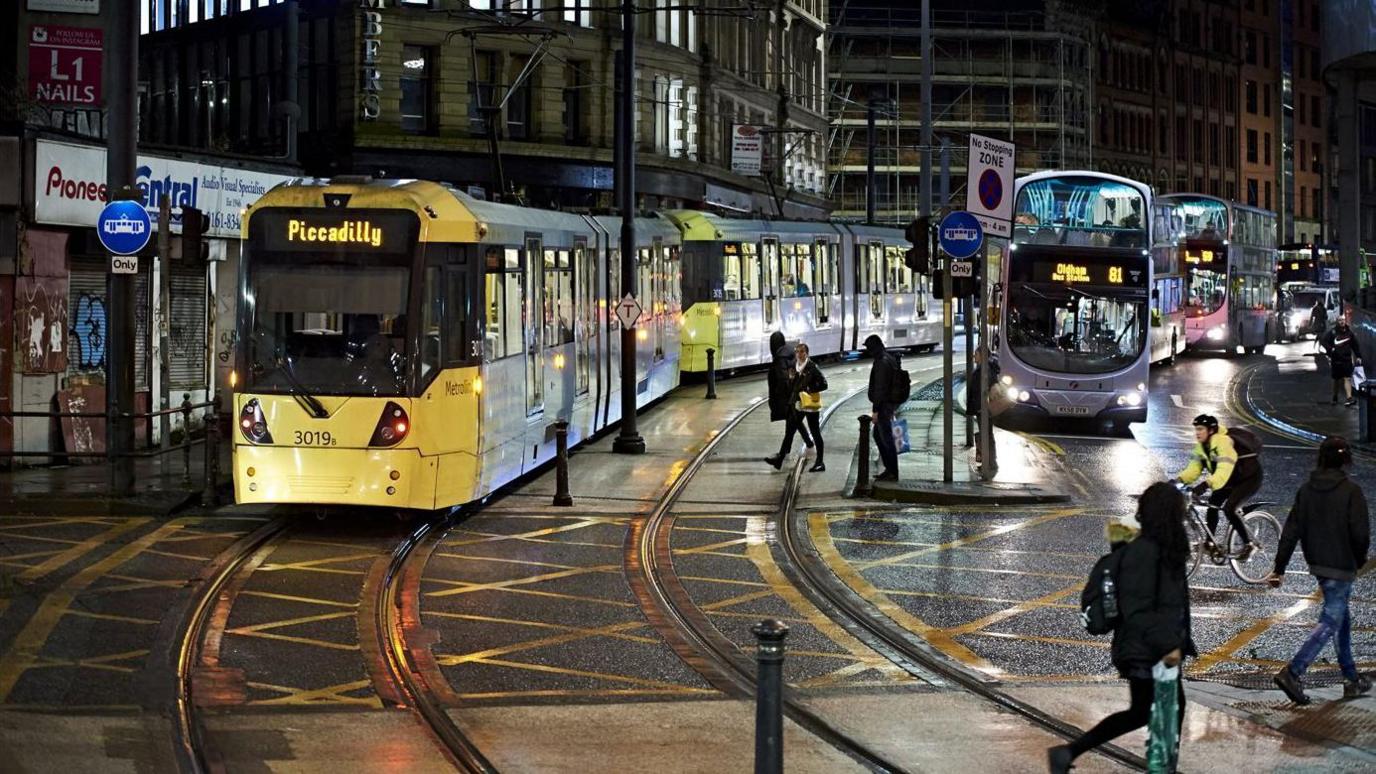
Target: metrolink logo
[{"x": 350, "y": 232}]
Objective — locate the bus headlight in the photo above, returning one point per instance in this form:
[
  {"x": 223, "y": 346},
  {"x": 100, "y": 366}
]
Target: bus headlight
[
  {"x": 1215, "y": 333},
  {"x": 252, "y": 424},
  {"x": 1006, "y": 379},
  {"x": 1132, "y": 399},
  {"x": 1012, "y": 392},
  {"x": 392, "y": 427}
]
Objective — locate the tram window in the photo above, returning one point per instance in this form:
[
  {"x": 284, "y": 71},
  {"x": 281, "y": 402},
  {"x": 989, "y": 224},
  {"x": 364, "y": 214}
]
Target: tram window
[
  {"x": 920, "y": 288},
  {"x": 804, "y": 271},
  {"x": 825, "y": 274},
  {"x": 750, "y": 271},
  {"x": 899, "y": 276},
  {"x": 731, "y": 271},
  {"x": 558, "y": 298},
  {"x": 788, "y": 255},
  {"x": 502, "y": 285},
  {"x": 673, "y": 273},
  {"x": 456, "y": 330},
  {"x": 645, "y": 280},
  {"x": 875, "y": 266},
  {"x": 431, "y": 323}
]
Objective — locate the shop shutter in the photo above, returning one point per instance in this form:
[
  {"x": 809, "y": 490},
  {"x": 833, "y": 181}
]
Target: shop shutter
[
  {"x": 187, "y": 333},
  {"x": 88, "y": 323}
]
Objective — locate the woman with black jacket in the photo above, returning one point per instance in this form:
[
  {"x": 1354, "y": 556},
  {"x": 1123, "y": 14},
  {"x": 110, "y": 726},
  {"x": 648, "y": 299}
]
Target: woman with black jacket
[
  {"x": 805, "y": 397},
  {"x": 782, "y": 396},
  {"x": 1154, "y": 605}
]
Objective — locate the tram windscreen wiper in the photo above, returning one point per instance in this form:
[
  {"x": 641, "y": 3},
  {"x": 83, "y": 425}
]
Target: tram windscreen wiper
[{"x": 302, "y": 396}]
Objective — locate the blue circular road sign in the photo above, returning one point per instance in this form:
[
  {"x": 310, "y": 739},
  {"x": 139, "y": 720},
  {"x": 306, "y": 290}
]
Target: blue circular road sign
[
  {"x": 990, "y": 189},
  {"x": 124, "y": 227},
  {"x": 961, "y": 234}
]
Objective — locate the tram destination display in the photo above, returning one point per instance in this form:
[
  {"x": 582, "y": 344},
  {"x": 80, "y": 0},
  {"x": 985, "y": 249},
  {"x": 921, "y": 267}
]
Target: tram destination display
[{"x": 389, "y": 232}]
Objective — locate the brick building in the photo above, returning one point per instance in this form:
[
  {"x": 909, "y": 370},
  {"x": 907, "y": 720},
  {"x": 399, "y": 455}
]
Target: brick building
[{"x": 403, "y": 88}]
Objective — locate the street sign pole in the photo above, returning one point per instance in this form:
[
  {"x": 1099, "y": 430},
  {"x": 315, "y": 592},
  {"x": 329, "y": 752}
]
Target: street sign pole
[
  {"x": 947, "y": 339},
  {"x": 628, "y": 440},
  {"x": 988, "y": 459},
  {"x": 121, "y": 89},
  {"x": 969, "y": 305}
]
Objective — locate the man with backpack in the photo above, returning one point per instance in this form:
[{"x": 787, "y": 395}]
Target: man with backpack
[
  {"x": 889, "y": 387},
  {"x": 1228, "y": 461}
]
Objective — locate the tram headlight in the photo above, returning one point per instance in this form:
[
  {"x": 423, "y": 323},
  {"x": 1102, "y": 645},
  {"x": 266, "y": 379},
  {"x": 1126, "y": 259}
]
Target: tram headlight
[
  {"x": 1215, "y": 333},
  {"x": 392, "y": 426},
  {"x": 252, "y": 424}
]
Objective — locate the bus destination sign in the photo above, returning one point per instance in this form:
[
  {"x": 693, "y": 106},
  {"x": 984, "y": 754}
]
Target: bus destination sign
[{"x": 1081, "y": 272}]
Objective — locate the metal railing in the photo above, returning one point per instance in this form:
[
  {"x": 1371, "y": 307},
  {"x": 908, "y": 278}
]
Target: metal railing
[{"x": 210, "y": 440}]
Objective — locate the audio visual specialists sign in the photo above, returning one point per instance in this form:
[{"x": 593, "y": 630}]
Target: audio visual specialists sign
[
  {"x": 65, "y": 6},
  {"x": 69, "y": 187},
  {"x": 65, "y": 65}
]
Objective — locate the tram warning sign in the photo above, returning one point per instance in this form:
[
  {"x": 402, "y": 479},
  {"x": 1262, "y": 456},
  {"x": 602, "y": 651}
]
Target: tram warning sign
[
  {"x": 628, "y": 311},
  {"x": 989, "y": 183}
]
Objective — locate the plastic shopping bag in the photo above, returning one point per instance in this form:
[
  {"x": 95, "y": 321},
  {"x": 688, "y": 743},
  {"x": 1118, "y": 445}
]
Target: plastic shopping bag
[
  {"x": 1163, "y": 730},
  {"x": 900, "y": 436},
  {"x": 1358, "y": 376}
]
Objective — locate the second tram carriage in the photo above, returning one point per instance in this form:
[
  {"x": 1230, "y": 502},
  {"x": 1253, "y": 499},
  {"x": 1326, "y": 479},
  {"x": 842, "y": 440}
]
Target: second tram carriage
[
  {"x": 1225, "y": 253},
  {"x": 1073, "y": 325}
]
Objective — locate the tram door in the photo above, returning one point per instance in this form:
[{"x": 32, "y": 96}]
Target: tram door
[
  {"x": 825, "y": 273},
  {"x": 587, "y": 328},
  {"x": 771, "y": 282},
  {"x": 533, "y": 306},
  {"x": 872, "y": 279}
]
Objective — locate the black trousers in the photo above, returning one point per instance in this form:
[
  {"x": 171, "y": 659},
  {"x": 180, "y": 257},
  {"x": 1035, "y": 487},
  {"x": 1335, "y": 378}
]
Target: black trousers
[
  {"x": 795, "y": 425},
  {"x": 1142, "y": 691},
  {"x": 1244, "y": 483}
]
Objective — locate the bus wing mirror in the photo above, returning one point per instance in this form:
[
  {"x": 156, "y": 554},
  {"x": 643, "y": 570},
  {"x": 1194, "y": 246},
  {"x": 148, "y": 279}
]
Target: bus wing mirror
[{"x": 1156, "y": 294}]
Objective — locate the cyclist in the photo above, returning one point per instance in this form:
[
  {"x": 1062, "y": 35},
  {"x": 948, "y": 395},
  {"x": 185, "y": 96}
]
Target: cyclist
[{"x": 1231, "y": 469}]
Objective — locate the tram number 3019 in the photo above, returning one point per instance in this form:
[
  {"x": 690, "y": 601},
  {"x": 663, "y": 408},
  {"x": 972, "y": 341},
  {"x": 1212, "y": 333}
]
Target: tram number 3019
[{"x": 314, "y": 438}]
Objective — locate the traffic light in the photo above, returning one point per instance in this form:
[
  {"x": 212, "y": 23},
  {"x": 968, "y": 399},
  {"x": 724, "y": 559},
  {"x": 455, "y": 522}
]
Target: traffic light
[
  {"x": 919, "y": 256},
  {"x": 195, "y": 224}
]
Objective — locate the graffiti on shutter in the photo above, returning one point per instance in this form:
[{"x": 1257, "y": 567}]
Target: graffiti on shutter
[{"x": 186, "y": 335}]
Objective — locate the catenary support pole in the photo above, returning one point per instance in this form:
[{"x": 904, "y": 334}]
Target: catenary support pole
[
  {"x": 989, "y": 464},
  {"x": 869, "y": 161},
  {"x": 925, "y": 203},
  {"x": 628, "y": 440},
  {"x": 121, "y": 90},
  {"x": 163, "y": 362},
  {"x": 969, "y": 304}
]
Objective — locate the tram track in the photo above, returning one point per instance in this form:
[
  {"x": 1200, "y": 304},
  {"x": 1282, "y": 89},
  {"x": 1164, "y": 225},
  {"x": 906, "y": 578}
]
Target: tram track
[
  {"x": 667, "y": 604},
  {"x": 819, "y": 583}
]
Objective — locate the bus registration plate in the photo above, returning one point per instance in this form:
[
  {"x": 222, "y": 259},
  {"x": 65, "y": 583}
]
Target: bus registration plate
[{"x": 1074, "y": 411}]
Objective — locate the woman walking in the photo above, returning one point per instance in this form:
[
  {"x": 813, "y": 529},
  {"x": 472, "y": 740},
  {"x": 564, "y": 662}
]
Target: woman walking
[
  {"x": 1343, "y": 356},
  {"x": 782, "y": 376},
  {"x": 806, "y": 400},
  {"x": 1154, "y": 605}
]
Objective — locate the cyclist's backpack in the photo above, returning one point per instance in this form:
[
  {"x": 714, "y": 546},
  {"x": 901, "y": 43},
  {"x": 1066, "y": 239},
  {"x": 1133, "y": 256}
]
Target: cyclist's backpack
[
  {"x": 1099, "y": 600},
  {"x": 902, "y": 387},
  {"x": 1246, "y": 442}
]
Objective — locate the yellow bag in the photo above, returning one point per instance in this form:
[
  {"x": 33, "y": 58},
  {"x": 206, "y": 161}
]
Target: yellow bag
[{"x": 810, "y": 401}]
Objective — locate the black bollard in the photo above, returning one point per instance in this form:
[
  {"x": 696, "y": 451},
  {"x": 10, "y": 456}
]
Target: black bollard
[
  {"x": 562, "y": 497},
  {"x": 711, "y": 374},
  {"x": 769, "y": 706},
  {"x": 186, "y": 437},
  {"x": 862, "y": 476},
  {"x": 209, "y": 497}
]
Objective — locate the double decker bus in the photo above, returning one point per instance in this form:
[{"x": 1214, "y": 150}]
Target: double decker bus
[
  {"x": 1227, "y": 252},
  {"x": 1168, "y": 283},
  {"x": 1073, "y": 316}
]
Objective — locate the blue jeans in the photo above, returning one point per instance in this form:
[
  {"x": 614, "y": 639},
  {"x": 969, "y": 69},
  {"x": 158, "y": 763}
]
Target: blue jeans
[
  {"x": 1333, "y": 619},
  {"x": 883, "y": 437}
]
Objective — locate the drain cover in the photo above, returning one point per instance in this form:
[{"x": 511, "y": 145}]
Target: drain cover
[{"x": 1261, "y": 680}]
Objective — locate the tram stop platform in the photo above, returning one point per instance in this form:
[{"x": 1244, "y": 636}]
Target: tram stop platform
[{"x": 1024, "y": 476}]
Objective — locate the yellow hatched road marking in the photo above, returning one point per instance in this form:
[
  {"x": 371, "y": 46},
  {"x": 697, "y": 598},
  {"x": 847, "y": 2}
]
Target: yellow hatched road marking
[
  {"x": 1243, "y": 638},
  {"x": 975, "y": 538},
  {"x": 589, "y": 693},
  {"x": 558, "y": 639},
  {"x": 293, "y": 598},
  {"x": 820, "y": 530},
  {"x": 989, "y": 570},
  {"x": 79, "y": 550},
  {"x": 111, "y": 617},
  {"x": 1101, "y": 644},
  {"x": 471, "y": 587},
  {"x": 1046, "y": 600},
  {"x": 298, "y": 640},
  {"x": 582, "y": 523},
  {"x": 543, "y": 625},
  {"x": 287, "y": 622},
  {"x": 27, "y": 645},
  {"x": 331, "y": 693},
  {"x": 543, "y": 541},
  {"x": 579, "y": 673},
  {"x": 535, "y": 593},
  {"x": 763, "y": 558},
  {"x": 316, "y": 565}
]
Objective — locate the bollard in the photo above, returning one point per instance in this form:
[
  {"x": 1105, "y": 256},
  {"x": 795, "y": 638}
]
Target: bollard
[
  {"x": 209, "y": 497},
  {"x": 769, "y": 706},
  {"x": 862, "y": 476},
  {"x": 711, "y": 374},
  {"x": 186, "y": 438},
  {"x": 562, "y": 497}
]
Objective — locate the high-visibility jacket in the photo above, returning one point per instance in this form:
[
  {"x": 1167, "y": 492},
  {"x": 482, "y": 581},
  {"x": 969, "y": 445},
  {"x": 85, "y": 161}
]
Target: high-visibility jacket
[{"x": 1217, "y": 457}]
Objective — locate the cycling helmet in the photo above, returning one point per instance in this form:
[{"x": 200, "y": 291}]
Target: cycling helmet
[{"x": 1207, "y": 421}]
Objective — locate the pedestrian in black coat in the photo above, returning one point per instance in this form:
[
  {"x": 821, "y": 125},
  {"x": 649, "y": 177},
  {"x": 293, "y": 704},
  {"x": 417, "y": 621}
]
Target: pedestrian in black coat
[
  {"x": 1344, "y": 354},
  {"x": 781, "y": 393},
  {"x": 1154, "y": 605},
  {"x": 806, "y": 378},
  {"x": 1329, "y": 520},
  {"x": 881, "y": 398}
]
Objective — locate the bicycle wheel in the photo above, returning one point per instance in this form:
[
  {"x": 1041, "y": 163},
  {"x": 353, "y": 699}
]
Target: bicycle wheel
[
  {"x": 1195, "y": 536},
  {"x": 1265, "y": 532}
]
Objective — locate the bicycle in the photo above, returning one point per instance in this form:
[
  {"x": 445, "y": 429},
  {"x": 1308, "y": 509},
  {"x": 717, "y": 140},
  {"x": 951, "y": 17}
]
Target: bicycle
[{"x": 1252, "y": 567}]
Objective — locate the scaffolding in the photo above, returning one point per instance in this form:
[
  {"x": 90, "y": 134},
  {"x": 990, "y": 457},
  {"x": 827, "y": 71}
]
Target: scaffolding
[{"x": 1023, "y": 76}]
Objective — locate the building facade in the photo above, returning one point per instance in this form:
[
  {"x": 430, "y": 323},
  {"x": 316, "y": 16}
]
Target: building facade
[
  {"x": 1010, "y": 70},
  {"x": 497, "y": 94},
  {"x": 1304, "y": 119}
]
